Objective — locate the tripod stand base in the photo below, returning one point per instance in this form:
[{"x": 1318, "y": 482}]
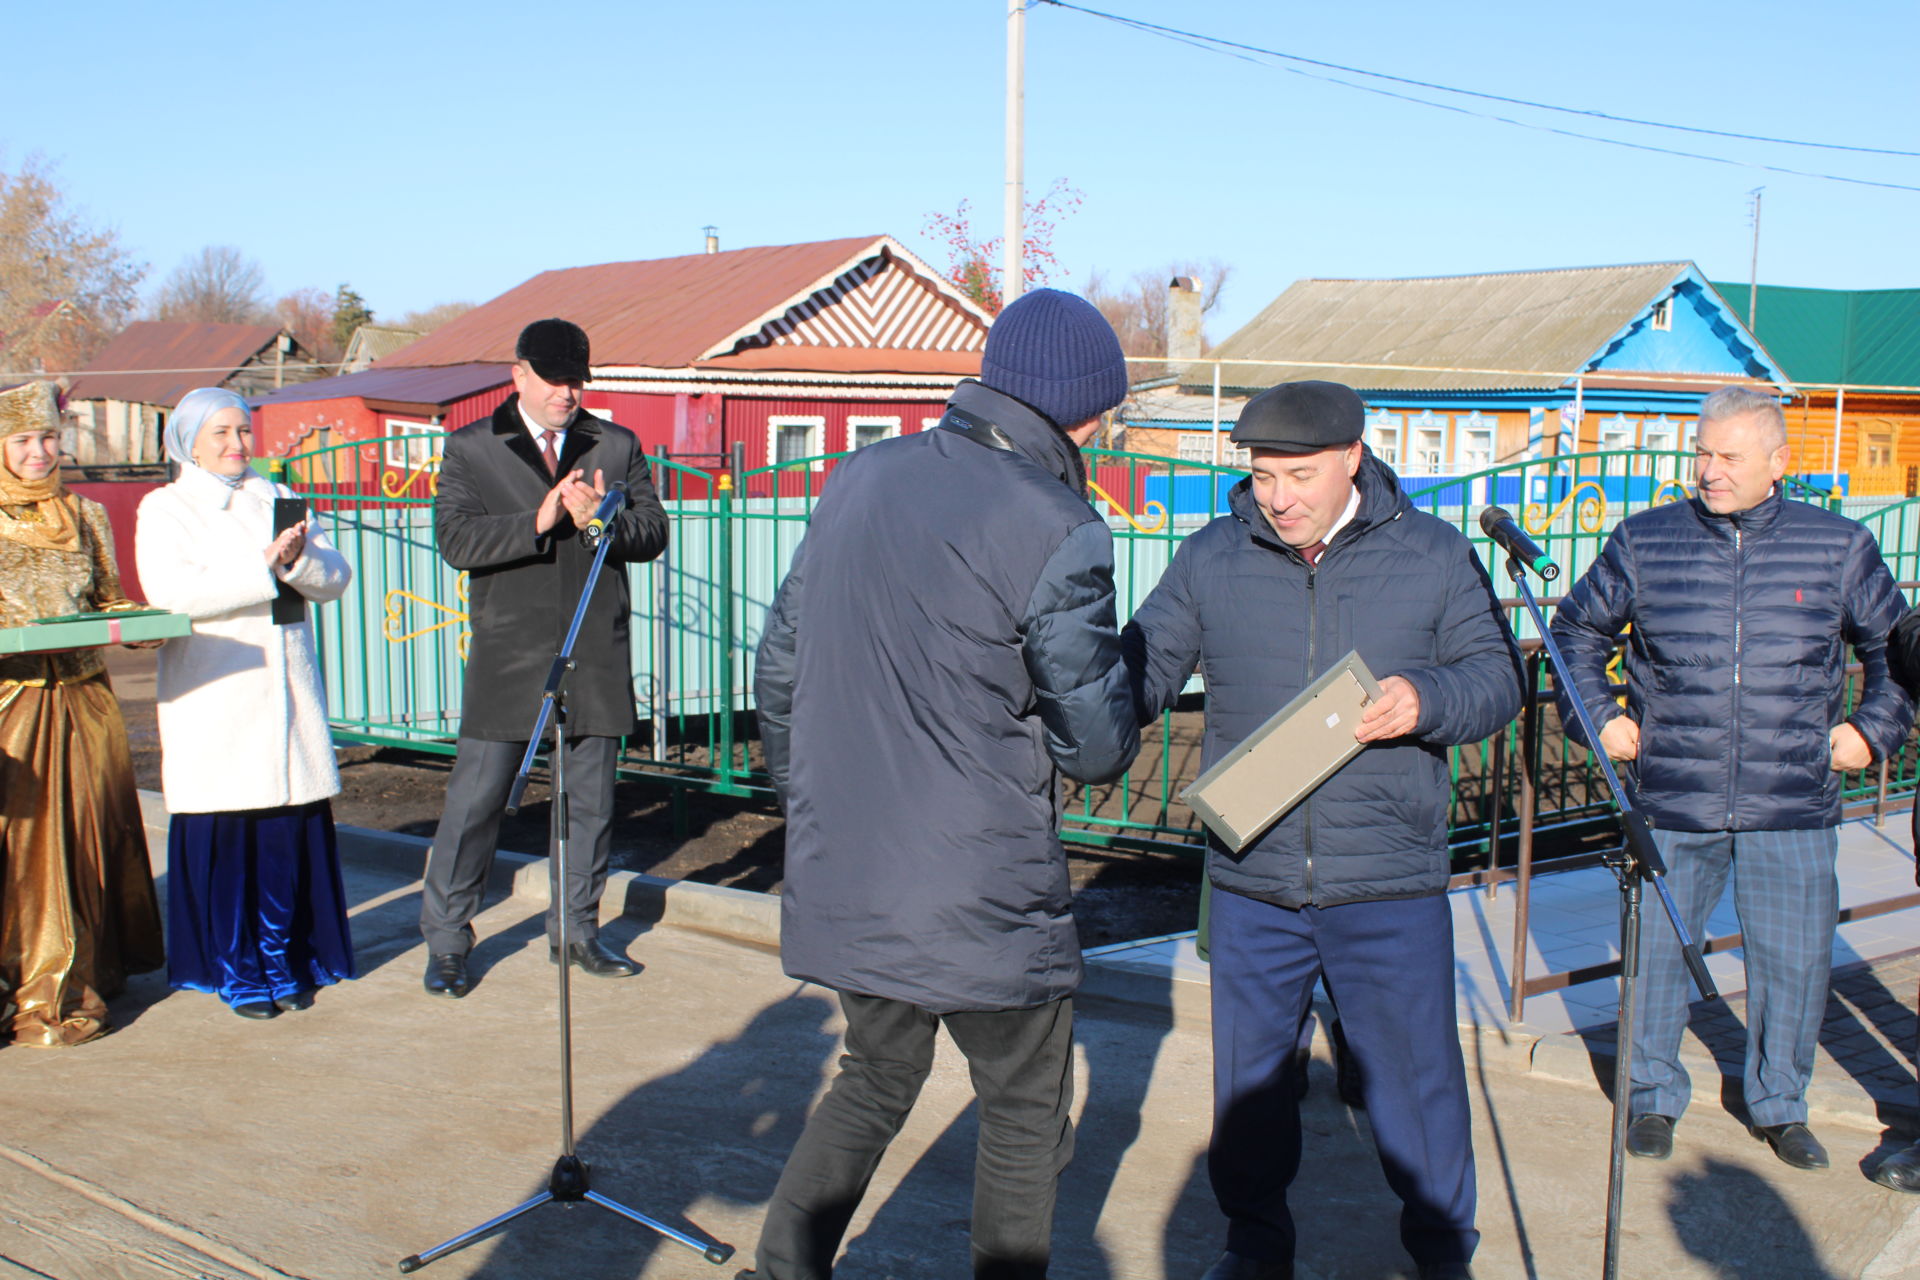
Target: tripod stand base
[{"x": 568, "y": 1184}]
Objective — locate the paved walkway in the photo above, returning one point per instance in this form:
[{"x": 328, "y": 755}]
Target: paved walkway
[{"x": 191, "y": 1143}]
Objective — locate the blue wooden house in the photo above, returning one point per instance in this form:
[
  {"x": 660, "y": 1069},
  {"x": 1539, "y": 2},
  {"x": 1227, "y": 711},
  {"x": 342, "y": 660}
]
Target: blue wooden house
[{"x": 1465, "y": 373}]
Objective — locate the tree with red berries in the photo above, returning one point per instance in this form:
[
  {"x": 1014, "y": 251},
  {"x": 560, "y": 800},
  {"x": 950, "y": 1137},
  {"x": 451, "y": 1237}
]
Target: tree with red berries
[{"x": 974, "y": 263}]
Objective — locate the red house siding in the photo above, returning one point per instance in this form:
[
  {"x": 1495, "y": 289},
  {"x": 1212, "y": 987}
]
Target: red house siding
[{"x": 749, "y": 422}]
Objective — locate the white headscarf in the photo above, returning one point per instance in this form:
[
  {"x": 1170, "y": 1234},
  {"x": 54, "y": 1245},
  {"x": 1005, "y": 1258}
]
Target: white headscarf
[{"x": 183, "y": 426}]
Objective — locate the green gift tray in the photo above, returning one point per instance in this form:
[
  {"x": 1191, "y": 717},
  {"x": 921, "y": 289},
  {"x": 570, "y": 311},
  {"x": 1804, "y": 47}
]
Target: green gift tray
[{"x": 88, "y": 630}]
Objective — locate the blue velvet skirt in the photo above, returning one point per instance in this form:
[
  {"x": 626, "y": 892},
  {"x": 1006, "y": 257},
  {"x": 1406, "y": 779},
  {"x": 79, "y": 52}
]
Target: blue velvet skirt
[{"x": 255, "y": 908}]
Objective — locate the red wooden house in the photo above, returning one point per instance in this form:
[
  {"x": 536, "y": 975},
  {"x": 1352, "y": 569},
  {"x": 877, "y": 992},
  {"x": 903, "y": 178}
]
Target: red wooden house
[{"x": 789, "y": 352}]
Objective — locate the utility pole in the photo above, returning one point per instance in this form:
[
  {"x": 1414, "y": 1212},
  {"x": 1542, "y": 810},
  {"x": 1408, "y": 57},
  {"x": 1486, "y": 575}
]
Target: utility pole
[
  {"x": 1012, "y": 271},
  {"x": 1753, "y": 276}
]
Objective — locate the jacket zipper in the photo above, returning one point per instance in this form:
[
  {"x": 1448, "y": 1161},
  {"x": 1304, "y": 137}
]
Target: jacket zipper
[
  {"x": 1733, "y": 730},
  {"x": 1313, "y": 632}
]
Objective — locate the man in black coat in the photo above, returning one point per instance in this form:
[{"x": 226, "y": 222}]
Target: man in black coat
[
  {"x": 943, "y": 647},
  {"x": 1901, "y": 1170},
  {"x": 515, "y": 491},
  {"x": 1735, "y": 734},
  {"x": 1322, "y": 554}
]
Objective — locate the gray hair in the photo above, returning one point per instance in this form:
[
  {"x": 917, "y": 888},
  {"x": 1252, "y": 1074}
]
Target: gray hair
[{"x": 1739, "y": 402}]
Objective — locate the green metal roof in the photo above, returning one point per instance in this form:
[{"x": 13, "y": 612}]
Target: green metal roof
[{"x": 1865, "y": 337}]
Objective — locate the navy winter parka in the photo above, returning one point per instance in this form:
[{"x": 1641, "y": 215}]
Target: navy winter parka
[
  {"x": 1736, "y": 661},
  {"x": 943, "y": 642},
  {"x": 1402, "y": 588}
]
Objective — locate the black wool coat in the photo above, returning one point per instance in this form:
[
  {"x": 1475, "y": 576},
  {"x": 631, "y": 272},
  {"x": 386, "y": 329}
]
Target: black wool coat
[{"x": 523, "y": 586}]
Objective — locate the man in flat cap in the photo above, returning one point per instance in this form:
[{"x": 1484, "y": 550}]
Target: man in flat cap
[
  {"x": 1322, "y": 555},
  {"x": 515, "y": 491}
]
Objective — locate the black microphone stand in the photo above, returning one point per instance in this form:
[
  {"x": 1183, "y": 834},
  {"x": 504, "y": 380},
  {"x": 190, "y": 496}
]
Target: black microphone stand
[
  {"x": 1635, "y": 863},
  {"x": 568, "y": 1183}
]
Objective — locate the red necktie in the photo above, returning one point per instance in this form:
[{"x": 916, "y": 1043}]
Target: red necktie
[
  {"x": 546, "y": 451},
  {"x": 1312, "y": 554}
]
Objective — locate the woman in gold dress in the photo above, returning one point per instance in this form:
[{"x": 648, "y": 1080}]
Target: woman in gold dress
[{"x": 77, "y": 910}]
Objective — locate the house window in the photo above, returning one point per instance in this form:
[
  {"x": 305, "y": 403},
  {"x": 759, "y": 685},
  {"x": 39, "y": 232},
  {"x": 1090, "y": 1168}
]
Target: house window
[
  {"x": 1663, "y": 315},
  {"x": 862, "y": 432},
  {"x": 1617, "y": 433},
  {"x": 1384, "y": 435},
  {"x": 1876, "y": 445},
  {"x": 928, "y": 424},
  {"x": 1476, "y": 432},
  {"x": 1197, "y": 446},
  {"x": 1660, "y": 434},
  {"x": 791, "y": 439},
  {"x": 1429, "y": 443},
  {"x": 413, "y": 444}
]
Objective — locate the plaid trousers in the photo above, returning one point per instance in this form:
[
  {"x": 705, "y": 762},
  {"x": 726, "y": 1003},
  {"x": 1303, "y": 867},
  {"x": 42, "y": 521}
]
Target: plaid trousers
[{"x": 1787, "y": 899}]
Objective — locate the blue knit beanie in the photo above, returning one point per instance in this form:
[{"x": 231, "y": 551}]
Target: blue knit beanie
[{"x": 1056, "y": 353}]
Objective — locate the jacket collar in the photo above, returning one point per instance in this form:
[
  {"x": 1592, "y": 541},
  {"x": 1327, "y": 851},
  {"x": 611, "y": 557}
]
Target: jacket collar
[
  {"x": 1755, "y": 519},
  {"x": 582, "y": 433},
  {"x": 1381, "y": 500},
  {"x": 1029, "y": 433}
]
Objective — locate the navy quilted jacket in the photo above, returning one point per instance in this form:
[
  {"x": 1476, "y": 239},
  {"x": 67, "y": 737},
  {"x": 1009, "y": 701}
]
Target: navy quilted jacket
[
  {"x": 943, "y": 642},
  {"x": 1402, "y": 588},
  {"x": 1737, "y": 657}
]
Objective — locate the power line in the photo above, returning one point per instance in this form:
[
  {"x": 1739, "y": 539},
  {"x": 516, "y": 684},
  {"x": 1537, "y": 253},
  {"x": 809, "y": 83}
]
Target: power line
[{"x": 1217, "y": 44}]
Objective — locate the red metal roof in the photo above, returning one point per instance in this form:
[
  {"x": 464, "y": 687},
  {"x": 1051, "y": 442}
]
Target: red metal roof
[
  {"x": 158, "y": 361},
  {"x": 665, "y": 313},
  {"x": 434, "y": 387}
]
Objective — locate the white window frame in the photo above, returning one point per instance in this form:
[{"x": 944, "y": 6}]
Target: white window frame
[
  {"x": 1661, "y": 434},
  {"x": 1427, "y": 427},
  {"x": 856, "y": 421},
  {"x": 402, "y": 449},
  {"x": 816, "y": 437},
  {"x": 1475, "y": 425},
  {"x": 1381, "y": 425},
  {"x": 1662, "y": 318},
  {"x": 1197, "y": 446},
  {"x": 1612, "y": 429},
  {"x": 928, "y": 424}
]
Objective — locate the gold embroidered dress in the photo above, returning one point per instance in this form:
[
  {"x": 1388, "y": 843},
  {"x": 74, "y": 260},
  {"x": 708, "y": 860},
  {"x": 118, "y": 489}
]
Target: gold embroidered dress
[{"x": 77, "y": 909}]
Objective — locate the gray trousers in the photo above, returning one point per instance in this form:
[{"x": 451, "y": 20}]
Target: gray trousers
[
  {"x": 1788, "y": 900},
  {"x": 469, "y": 833}
]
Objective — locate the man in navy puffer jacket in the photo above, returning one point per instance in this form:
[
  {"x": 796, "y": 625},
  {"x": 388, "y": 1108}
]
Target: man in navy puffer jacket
[
  {"x": 1321, "y": 555},
  {"x": 1742, "y": 606}
]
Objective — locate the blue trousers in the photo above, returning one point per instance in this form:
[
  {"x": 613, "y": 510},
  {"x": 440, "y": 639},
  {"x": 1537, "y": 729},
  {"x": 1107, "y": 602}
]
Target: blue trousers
[
  {"x": 1788, "y": 900},
  {"x": 1389, "y": 968}
]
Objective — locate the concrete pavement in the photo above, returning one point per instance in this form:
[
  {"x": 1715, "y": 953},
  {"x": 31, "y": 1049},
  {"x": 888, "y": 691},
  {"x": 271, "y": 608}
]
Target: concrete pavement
[{"x": 333, "y": 1142}]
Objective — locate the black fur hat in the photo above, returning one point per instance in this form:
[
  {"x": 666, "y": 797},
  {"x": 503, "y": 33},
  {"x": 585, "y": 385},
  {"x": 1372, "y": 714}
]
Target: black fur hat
[{"x": 557, "y": 350}]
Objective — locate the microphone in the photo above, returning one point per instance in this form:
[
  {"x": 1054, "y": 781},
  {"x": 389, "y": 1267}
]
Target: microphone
[
  {"x": 603, "y": 516},
  {"x": 1498, "y": 523}
]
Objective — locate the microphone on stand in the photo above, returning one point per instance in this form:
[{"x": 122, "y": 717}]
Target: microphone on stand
[
  {"x": 1498, "y": 523},
  {"x": 610, "y": 506}
]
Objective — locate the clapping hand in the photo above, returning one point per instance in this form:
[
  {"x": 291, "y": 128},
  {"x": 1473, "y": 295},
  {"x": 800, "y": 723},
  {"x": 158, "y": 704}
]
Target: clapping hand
[
  {"x": 582, "y": 499},
  {"x": 286, "y": 548}
]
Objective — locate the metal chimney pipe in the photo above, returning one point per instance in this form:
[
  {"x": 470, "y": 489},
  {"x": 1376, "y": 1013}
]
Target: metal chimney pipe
[{"x": 713, "y": 239}]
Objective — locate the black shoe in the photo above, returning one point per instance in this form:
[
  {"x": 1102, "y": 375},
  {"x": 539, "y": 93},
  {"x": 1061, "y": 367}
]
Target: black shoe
[
  {"x": 260, "y": 1009},
  {"x": 595, "y": 957},
  {"x": 294, "y": 1003},
  {"x": 1650, "y": 1137},
  {"x": 1445, "y": 1271},
  {"x": 1794, "y": 1144},
  {"x": 447, "y": 976},
  {"x": 1236, "y": 1266},
  {"x": 1901, "y": 1170}
]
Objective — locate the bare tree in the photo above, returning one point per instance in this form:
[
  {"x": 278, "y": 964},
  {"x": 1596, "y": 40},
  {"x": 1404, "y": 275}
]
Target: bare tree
[
  {"x": 431, "y": 318},
  {"x": 309, "y": 314},
  {"x": 65, "y": 286},
  {"x": 1137, "y": 307},
  {"x": 218, "y": 284}
]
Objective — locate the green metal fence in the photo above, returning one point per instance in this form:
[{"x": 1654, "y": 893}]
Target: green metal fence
[{"x": 393, "y": 650}]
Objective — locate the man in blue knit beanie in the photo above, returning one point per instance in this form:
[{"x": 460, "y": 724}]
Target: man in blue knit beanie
[{"x": 942, "y": 649}]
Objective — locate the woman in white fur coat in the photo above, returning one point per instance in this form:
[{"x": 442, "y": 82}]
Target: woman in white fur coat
[{"x": 255, "y": 909}]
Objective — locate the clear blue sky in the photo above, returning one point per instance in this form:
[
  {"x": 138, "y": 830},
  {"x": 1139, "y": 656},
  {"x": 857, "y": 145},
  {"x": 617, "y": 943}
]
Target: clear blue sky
[{"x": 430, "y": 152}]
